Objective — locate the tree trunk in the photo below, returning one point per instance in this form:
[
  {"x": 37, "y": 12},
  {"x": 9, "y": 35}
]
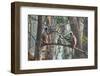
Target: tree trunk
[
  {"x": 38, "y": 39},
  {"x": 77, "y": 29}
]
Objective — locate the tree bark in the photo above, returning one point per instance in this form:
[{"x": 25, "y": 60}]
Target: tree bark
[
  {"x": 76, "y": 27},
  {"x": 38, "y": 39}
]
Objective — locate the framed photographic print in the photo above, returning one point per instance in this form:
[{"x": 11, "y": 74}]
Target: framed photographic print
[{"x": 52, "y": 37}]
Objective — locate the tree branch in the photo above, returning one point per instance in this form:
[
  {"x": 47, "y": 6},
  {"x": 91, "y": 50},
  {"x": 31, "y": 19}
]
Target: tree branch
[
  {"x": 65, "y": 46},
  {"x": 56, "y": 44}
]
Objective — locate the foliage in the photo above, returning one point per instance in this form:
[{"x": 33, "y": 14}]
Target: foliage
[
  {"x": 84, "y": 39},
  {"x": 59, "y": 19}
]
